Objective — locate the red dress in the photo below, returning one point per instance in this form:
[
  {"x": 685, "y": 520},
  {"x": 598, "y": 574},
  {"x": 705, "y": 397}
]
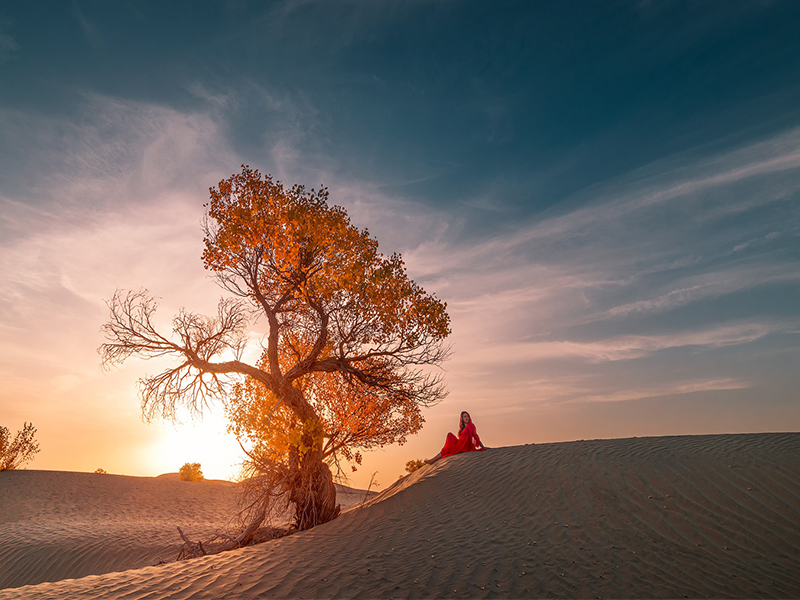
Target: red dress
[{"x": 466, "y": 441}]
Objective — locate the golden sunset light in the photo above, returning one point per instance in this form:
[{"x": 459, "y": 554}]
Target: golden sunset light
[{"x": 399, "y": 299}]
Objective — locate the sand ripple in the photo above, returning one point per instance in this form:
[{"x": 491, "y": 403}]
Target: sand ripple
[{"x": 55, "y": 524}]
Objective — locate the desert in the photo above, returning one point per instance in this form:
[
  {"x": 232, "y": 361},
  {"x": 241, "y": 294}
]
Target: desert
[
  {"x": 420, "y": 299},
  {"x": 685, "y": 516}
]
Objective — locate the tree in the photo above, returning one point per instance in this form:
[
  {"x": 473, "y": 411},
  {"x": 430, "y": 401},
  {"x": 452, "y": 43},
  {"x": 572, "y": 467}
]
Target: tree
[
  {"x": 14, "y": 453},
  {"x": 415, "y": 464},
  {"x": 345, "y": 364},
  {"x": 191, "y": 472}
]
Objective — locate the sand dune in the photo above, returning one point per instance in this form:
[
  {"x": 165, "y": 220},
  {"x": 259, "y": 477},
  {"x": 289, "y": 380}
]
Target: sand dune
[
  {"x": 58, "y": 525},
  {"x": 694, "y": 516}
]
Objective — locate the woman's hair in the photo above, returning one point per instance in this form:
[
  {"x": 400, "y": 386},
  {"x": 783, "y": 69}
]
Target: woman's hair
[{"x": 461, "y": 424}]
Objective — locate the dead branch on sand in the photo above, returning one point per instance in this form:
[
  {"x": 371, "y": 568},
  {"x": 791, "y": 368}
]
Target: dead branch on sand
[
  {"x": 190, "y": 549},
  {"x": 254, "y": 533}
]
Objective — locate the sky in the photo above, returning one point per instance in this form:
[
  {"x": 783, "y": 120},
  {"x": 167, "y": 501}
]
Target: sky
[{"x": 607, "y": 196}]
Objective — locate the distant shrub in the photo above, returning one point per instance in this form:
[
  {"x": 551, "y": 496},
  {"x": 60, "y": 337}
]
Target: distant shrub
[
  {"x": 191, "y": 472},
  {"x": 413, "y": 465},
  {"x": 101, "y": 471},
  {"x": 21, "y": 450}
]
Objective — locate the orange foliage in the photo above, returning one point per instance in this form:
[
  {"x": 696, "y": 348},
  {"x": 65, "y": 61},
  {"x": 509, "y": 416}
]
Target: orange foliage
[
  {"x": 415, "y": 464},
  {"x": 348, "y": 328},
  {"x": 190, "y": 472},
  {"x": 353, "y": 417},
  {"x": 286, "y": 249},
  {"x": 345, "y": 363}
]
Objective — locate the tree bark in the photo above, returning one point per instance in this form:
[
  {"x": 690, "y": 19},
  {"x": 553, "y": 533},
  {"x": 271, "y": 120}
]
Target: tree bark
[
  {"x": 311, "y": 487},
  {"x": 309, "y": 483}
]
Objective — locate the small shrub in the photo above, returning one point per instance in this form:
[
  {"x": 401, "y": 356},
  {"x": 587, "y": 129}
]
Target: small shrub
[
  {"x": 103, "y": 471},
  {"x": 21, "y": 450},
  {"x": 413, "y": 465},
  {"x": 191, "y": 472}
]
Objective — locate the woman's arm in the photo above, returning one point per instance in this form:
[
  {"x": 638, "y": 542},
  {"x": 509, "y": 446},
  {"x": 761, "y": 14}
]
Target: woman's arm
[{"x": 478, "y": 443}]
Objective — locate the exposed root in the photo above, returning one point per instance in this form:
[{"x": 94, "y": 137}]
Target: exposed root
[
  {"x": 303, "y": 484},
  {"x": 254, "y": 533},
  {"x": 190, "y": 549}
]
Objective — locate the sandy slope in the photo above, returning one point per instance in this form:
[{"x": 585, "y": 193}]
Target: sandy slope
[
  {"x": 691, "y": 516},
  {"x": 56, "y": 525}
]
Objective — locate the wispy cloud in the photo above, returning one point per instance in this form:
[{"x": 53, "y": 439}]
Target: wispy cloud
[
  {"x": 90, "y": 32},
  {"x": 111, "y": 155},
  {"x": 562, "y": 289},
  {"x": 618, "y": 348},
  {"x": 98, "y": 214},
  {"x": 593, "y": 394},
  {"x": 695, "y": 288},
  {"x": 8, "y": 45},
  {"x": 683, "y": 192}
]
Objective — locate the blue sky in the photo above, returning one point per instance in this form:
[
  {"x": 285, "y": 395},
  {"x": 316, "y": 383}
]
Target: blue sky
[{"x": 606, "y": 195}]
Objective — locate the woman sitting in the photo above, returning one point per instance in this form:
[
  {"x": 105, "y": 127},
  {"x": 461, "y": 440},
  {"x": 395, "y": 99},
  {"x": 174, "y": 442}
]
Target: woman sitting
[{"x": 466, "y": 441}]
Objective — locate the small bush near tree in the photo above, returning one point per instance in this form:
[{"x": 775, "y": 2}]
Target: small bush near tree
[
  {"x": 413, "y": 465},
  {"x": 191, "y": 472},
  {"x": 14, "y": 453}
]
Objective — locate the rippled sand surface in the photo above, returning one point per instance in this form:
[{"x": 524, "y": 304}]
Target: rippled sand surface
[
  {"x": 58, "y": 525},
  {"x": 693, "y": 516}
]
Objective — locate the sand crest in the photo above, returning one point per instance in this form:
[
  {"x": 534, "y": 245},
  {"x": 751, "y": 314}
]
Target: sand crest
[{"x": 691, "y": 516}]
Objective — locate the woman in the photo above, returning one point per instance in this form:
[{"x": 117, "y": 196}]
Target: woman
[{"x": 466, "y": 441}]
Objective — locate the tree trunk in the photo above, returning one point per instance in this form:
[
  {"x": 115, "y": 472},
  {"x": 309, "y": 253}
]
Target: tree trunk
[
  {"x": 311, "y": 488},
  {"x": 309, "y": 482}
]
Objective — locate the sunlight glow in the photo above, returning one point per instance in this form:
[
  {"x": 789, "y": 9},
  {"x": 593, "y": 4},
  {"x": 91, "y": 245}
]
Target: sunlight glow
[{"x": 205, "y": 441}]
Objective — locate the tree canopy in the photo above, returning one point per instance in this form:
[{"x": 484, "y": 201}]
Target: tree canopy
[
  {"x": 191, "y": 472},
  {"x": 14, "y": 453},
  {"x": 345, "y": 364}
]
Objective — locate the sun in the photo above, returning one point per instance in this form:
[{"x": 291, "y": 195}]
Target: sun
[{"x": 205, "y": 441}]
